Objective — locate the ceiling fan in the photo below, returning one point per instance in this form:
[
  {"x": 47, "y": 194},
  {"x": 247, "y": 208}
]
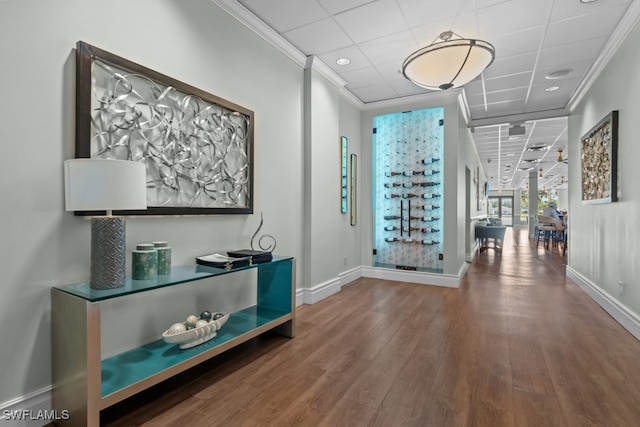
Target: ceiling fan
[{"x": 560, "y": 159}]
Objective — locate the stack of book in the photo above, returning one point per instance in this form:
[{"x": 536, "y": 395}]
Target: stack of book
[{"x": 234, "y": 259}]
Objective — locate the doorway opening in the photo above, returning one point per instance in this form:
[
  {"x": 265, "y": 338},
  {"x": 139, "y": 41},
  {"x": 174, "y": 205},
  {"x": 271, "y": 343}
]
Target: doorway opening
[{"x": 501, "y": 207}]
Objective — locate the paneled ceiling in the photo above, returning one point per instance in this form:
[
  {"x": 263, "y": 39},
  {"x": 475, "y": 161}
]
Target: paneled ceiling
[{"x": 533, "y": 39}]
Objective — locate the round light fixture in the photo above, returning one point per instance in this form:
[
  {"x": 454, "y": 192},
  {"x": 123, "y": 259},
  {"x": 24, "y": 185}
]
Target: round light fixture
[
  {"x": 449, "y": 63},
  {"x": 558, "y": 74},
  {"x": 588, "y": 1},
  {"x": 552, "y": 89},
  {"x": 343, "y": 61}
]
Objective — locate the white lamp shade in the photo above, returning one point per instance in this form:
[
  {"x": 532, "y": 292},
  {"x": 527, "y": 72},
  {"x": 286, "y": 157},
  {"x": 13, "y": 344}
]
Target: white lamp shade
[{"x": 104, "y": 184}]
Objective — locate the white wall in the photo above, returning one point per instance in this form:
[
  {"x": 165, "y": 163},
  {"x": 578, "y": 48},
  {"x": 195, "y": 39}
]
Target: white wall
[
  {"x": 604, "y": 239},
  {"x": 329, "y": 237},
  {"x": 43, "y": 246}
]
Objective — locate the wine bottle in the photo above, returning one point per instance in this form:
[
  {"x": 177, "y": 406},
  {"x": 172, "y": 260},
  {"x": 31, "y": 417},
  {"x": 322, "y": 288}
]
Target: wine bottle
[
  {"x": 430, "y": 242},
  {"x": 405, "y": 229},
  {"x": 430, "y": 218},
  {"x": 390, "y": 185},
  {"x": 408, "y": 241},
  {"x": 429, "y": 161},
  {"x": 390, "y": 228},
  {"x": 392, "y": 217},
  {"x": 391, "y": 239},
  {"x": 407, "y": 218},
  {"x": 429, "y": 230},
  {"x": 407, "y": 184},
  {"x": 391, "y": 196},
  {"x": 409, "y": 196},
  {"x": 389, "y": 174}
]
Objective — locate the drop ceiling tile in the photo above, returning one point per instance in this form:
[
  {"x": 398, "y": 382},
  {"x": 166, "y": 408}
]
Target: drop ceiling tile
[
  {"x": 337, "y": 6},
  {"x": 417, "y": 14},
  {"x": 363, "y": 77},
  {"x": 426, "y": 34},
  {"x": 573, "y": 30},
  {"x": 568, "y": 53},
  {"x": 391, "y": 71},
  {"x": 506, "y": 108},
  {"x": 473, "y": 88},
  {"x": 355, "y": 55},
  {"x": 507, "y": 95},
  {"x": 579, "y": 69},
  {"x": 511, "y": 65},
  {"x": 569, "y": 9},
  {"x": 374, "y": 93},
  {"x": 517, "y": 43},
  {"x": 284, "y": 15},
  {"x": 566, "y": 88},
  {"x": 371, "y": 21},
  {"x": 507, "y": 82},
  {"x": 396, "y": 47},
  {"x": 513, "y": 16},
  {"x": 405, "y": 88},
  {"x": 306, "y": 38},
  {"x": 477, "y": 113}
]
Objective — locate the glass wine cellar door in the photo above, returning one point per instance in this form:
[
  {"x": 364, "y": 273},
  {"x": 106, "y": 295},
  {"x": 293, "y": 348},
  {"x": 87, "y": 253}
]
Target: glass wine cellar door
[{"x": 408, "y": 190}]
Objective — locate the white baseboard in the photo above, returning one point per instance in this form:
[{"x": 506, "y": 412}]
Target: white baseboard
[
  {"x": 31, "y": 410},
  {"x": 423, "y": 278},
  {"x": 474, "y": 252},
  {"x": 620, "y": 312}
]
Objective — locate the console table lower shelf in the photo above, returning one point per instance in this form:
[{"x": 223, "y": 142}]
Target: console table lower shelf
[{"x": 83, "y": 384}]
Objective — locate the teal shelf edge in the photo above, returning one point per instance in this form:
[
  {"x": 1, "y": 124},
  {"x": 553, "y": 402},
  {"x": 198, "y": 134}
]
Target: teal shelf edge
[
  {"x": 139, "y": 364},
  {"x": 178, "y": 276}
]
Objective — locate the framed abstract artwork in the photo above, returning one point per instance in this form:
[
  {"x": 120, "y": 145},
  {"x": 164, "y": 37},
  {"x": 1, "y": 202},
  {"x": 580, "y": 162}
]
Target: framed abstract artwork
[
  {"x": 599, "y": 161},
  {"x": 197, "y": 147}
]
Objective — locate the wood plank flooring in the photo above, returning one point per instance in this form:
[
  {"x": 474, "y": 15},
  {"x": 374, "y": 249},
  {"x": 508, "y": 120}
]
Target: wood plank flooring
[{"x": 518, "y": 344}]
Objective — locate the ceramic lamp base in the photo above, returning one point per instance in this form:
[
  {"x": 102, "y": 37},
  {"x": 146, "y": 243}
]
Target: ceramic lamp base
[{"x": 108, "y": 252}]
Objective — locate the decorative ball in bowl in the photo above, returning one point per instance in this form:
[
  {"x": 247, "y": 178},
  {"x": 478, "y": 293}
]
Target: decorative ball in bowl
[{"x": 196, "y": 330}]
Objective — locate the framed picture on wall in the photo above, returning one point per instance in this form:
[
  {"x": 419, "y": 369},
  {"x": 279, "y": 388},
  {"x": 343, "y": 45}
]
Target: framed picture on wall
[
  {"x": 599, "y": 161},
  {"x": 197, "y": 147}
]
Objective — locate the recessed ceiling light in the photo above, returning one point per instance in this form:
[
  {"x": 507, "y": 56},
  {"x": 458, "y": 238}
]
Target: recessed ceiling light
[
  {"x": 552, "y": 88},
  {"x": 587, "y": 1},
  {"x": 510, "y": 154},
  {"x": 513, "y": 138},
  {"x": 343, "y": 61},
  {"x": 558, "y": 74},
  {"x": 540, "y": 147}
]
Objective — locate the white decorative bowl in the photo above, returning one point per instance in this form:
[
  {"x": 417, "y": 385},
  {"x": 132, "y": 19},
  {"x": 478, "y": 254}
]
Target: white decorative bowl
[{"x": 193, "y": 337}]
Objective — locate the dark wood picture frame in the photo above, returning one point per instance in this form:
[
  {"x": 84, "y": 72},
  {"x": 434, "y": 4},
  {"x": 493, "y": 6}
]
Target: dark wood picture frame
[
  {"x": 599, "y": 161},
  {"x": 212, "y": 170}
]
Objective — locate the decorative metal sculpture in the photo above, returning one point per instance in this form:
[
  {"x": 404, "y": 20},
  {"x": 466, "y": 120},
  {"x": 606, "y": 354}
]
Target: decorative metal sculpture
[{"x": 267, "y": 236}]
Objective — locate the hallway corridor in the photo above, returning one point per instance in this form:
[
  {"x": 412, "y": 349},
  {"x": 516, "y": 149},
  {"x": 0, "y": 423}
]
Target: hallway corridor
[{"x": 518, "y": 344}]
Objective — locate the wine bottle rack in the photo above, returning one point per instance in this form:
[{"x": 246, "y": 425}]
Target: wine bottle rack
[{"x": 409, "y": 189}]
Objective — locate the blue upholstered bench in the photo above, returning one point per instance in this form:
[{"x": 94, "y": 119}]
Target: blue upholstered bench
[{"x": 488, "y": 233}]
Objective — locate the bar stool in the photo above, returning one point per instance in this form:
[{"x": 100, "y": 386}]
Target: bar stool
[{"x": 545, "y": 229}]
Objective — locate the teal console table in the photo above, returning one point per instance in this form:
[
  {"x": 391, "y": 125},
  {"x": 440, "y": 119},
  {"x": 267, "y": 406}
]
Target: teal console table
[{"x": 83, "y": 384}]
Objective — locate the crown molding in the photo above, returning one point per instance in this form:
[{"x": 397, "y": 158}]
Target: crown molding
[
  {"x": 464, "y": 107},
  {"x": 621, "y": 32},
  {"x": 403, "y": 101},
  {"x": 252, "y": 22},
  {"x": 523, "y": 117}
]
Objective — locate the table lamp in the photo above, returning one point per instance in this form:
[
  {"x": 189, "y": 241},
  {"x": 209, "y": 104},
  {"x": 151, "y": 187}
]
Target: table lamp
[{"x": 105, "y": 185}]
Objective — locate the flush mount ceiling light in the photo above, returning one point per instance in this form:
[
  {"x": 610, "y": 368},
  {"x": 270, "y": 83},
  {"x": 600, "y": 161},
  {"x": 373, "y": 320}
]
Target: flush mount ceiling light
[
  {"x": 450, "y": 61},
  {"x": 540, "y": 147},
  {"x": 552, "y": 88},
  {"x": 587, "y": 1},
  {"x": 343, "y": 61},
  {"x": 558, "y": 74}
]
